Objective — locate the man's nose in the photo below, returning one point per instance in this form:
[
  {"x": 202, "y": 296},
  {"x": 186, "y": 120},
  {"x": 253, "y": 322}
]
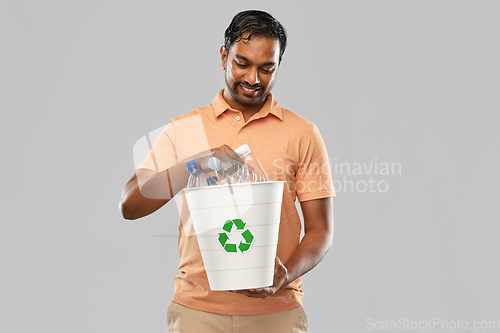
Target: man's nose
[{"x": 252, "y": 77}]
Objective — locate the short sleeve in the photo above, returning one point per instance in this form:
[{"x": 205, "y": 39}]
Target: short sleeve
[
  {"x": 162, "y": 154},
  {"x": 313, "y": 178}
]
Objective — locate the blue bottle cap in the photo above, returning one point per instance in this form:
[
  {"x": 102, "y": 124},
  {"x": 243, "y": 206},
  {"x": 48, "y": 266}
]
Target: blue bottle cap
[
  {"x": 212, "y": 181},
  {"x": 191, "y": 165}
]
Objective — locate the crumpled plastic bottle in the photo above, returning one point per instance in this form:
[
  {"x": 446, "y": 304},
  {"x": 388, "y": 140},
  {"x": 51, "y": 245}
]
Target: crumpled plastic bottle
[{"x": 198, "y": 178}]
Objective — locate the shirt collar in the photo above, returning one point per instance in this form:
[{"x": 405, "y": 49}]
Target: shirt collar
[{"x": 271, "y": 106}]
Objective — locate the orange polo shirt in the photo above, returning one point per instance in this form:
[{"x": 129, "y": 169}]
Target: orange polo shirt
[{"x": 289, "y": 148}]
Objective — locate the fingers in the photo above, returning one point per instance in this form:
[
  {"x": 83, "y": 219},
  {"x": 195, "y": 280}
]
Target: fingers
[
  {"x": 279, "y": 277},
  {"x": 258, "y": 290},
  {"x": 256, "y": 293}
]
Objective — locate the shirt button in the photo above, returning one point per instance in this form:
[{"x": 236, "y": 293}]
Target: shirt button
[
  {"x": 242, "y": 130},
  {"x": 238, "y": 118}
]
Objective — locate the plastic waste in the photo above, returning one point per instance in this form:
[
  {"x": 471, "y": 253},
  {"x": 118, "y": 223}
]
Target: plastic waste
[
  {"x": 198, "y": 178},
  {"x": 229, "y": 171},
  {"x": 257, "y": 172},
  {"x": 218, "y": 171}
]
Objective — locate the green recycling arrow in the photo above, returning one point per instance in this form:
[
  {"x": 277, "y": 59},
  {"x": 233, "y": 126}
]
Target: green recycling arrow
[{"x": 227, "y": 228}]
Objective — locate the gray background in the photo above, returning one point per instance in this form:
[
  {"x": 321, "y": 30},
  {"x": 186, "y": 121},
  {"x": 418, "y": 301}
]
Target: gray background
[{"x": 409, "y": 82}]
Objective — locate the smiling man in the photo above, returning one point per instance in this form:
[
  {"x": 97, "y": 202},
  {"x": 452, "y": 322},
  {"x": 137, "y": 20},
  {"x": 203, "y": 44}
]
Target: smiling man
[
  {"x": 251, "y": 68},
  {"x": 289, "y": 148}
]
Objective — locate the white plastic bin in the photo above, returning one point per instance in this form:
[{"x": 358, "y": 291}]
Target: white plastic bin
[{"x": 221, "y": 216}]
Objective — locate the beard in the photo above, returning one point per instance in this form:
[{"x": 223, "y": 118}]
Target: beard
[{"x": 255, "y": 101}]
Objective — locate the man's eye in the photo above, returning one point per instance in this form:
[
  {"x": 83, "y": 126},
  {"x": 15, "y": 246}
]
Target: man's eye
[
  {"x": 267, "y": 71},
  {"x": 241, "y": 65}
]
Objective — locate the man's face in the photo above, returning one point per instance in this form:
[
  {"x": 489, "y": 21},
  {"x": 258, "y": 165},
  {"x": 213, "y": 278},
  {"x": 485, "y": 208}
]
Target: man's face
[{"x": 250, "y": 71}]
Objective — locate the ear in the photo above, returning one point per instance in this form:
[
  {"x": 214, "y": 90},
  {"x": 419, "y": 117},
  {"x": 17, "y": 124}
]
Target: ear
[{"x": 223, "y": 56}]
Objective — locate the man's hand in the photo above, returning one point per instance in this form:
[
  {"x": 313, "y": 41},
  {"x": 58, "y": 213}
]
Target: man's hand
[{"x": 280, "y": 280}]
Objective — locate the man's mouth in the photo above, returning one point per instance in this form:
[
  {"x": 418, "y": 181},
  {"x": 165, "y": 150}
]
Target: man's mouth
[{"x": 249, "y": 90}]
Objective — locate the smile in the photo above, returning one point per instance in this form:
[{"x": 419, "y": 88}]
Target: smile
[{"x": 250, "y": 90}]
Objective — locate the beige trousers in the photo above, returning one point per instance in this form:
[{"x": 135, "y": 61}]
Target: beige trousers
[{"x": 181, "y": 319}]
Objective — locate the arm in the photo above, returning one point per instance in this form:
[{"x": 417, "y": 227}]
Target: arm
[
  {"x": 317, "y": 240},
  {"x": 147, "y": 191},
  {"x": 318, "y": 227},
  {"x": 134, "y": 205}
]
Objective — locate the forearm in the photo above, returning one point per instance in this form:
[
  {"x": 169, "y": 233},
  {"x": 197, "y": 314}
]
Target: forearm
[
  {"x": 317, "y": 240},
  {"x": 148, "y": 191},
  {"x": 311, "y": 250},
  {"x": 134, "y": 205}
]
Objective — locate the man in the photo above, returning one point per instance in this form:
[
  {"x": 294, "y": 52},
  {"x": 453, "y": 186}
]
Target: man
[{"x": 289, "y": 148}]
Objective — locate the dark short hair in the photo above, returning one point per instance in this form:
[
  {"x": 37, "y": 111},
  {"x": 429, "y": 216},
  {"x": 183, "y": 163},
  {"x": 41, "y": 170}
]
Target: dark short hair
[{"x": 255, "y": 23}]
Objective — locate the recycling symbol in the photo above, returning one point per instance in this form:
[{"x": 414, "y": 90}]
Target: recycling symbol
[{"x": 228, "y": 227}]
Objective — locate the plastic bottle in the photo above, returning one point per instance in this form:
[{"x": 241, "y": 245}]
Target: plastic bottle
[
  {"x": 198, "y": 178},
  {"x": 213, "y": 166},
  {"x": 228, "y": 171},
  {"x": 241, "y": 173},
  {"x": 257, "y": 172}
]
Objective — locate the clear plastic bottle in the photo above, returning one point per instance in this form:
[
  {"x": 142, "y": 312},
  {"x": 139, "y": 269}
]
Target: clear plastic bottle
[
  {"x": 241, "y": 172},
  {"x": 198, "y": 178},
  {"x": 256, "y": 171},
  {"x": 228, "y": 171}
]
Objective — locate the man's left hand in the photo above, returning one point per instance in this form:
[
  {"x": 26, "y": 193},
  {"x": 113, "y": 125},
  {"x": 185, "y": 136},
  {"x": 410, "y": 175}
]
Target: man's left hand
[{"x": 280, "y": 277}]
